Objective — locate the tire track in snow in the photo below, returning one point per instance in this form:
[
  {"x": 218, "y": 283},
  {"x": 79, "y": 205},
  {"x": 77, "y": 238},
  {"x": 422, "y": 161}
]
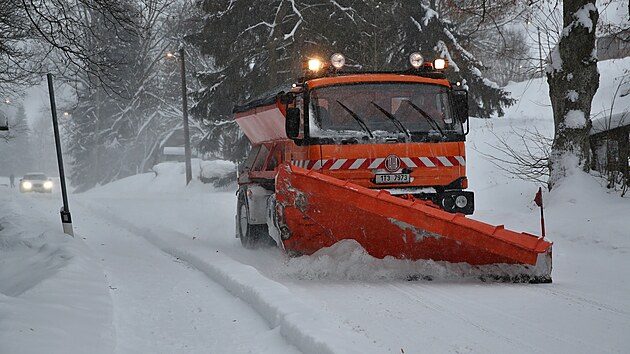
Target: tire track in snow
[
  {"x": 567, "y": 342},
  {"x": 584, "y": 301},
  {"x": 451, "y": 312},
  {"x": 310, "y": 330}
]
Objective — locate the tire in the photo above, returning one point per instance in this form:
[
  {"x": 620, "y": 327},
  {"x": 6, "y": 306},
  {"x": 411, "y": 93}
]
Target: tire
[{"x": 252, "y": 236}]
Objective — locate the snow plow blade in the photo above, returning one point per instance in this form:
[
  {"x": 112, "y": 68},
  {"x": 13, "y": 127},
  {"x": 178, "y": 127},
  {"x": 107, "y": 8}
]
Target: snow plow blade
[{"x": 314, "y": 211}]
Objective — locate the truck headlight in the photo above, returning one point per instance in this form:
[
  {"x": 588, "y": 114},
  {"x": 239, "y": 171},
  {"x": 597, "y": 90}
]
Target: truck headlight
[
  {"x": 27, "y": 185},
  {"x": 48, "y": 185},
  {"x": 461, "y": 201}
]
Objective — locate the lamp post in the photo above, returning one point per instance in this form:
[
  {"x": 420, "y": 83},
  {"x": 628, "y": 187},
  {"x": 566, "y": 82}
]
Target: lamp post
[{"x": 182, "y": 69}]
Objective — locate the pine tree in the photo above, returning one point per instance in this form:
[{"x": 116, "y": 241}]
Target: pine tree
[
  {"x": 260, "y": 45},
  {"x": 101, "y": 125},
  {"x": 120, "y": 122}
]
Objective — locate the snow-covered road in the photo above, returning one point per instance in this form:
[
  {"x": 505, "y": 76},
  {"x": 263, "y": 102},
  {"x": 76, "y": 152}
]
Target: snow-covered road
[
  {"x": 398, "y": 315},
  {"x": 155, "y": 268},
  {"x": 180, "y": 282},
  {"x": 161, "y": 303}
]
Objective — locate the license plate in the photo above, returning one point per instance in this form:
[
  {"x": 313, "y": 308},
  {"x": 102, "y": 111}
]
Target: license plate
[{"x": 393, "y": 178}]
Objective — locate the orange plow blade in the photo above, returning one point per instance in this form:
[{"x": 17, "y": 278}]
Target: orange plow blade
[{"x": 314, "y": 211}]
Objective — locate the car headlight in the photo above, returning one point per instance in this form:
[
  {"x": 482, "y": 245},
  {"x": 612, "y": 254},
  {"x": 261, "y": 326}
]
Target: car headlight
[
  {"x": 48, "y": 184},
  {"x": 27, "y": 185}
]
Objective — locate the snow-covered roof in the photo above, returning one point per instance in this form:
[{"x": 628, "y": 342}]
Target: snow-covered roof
[{"x": 610, "y": 122}]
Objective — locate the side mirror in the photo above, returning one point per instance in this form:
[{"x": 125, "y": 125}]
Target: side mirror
[
  {"x": 292, "y": 123},
  {"x": 460, "y": 103},
  {"x": 286, "y": 98}
]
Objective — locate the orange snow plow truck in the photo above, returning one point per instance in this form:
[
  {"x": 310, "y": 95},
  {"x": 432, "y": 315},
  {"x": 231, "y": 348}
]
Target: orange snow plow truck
[{"x": 375, "y": 157}]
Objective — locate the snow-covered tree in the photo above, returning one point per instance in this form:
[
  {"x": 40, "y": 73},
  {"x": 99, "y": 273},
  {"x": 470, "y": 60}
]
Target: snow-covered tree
[
  {"x": 573, "y": 80},
  {"x": 36, "y": 34},
  {"x": 258, "y": 45},
  {"x": 15, "y": 57},
  {"x": 98, "y": 122},
  {"x": 15, "y": 152},
  {"x": 120, "y": 123}
]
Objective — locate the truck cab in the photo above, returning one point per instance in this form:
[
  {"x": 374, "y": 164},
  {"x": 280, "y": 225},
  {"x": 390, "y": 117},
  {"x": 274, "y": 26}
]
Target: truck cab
[{"x": 397, "y": 131}]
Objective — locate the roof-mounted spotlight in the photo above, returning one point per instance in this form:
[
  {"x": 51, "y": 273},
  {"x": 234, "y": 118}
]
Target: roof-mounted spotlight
[
  {"x": 337, "y": 60},
  {"x": 440, "y": 64},
  {"x": 315, "y": 65},
  {"x": 416, "y": 60}
]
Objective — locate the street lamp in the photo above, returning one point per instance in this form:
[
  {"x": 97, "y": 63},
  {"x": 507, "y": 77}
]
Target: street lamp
[{"x": 182, "y": 69}]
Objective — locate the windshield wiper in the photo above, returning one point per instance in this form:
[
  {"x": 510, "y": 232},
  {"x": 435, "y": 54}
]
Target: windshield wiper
[
  {"x": 393, "y": 118},
  {"x": 426, "y": 116},
  {"x": 357, "y": 118}
]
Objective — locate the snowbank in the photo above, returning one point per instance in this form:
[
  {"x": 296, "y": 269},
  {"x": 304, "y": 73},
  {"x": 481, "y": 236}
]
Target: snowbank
[{"x": 53, "y": 293}]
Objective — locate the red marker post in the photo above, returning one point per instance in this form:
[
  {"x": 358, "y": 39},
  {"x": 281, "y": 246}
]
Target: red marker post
[{"x": 539, "y": 201}]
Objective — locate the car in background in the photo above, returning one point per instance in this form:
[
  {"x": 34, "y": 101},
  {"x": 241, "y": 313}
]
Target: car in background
[{"x": 36, "y": 182}]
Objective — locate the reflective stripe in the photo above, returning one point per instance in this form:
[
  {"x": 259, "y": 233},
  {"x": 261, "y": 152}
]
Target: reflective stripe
[
  {"x": 357, "y": 164},
  {"x": 337, "y": 165},
  {"x": 318, "y": 164},
  {"x": 427, "y": 162},
  {"x": 363, "y": 163},
  {"x": 408, "y": 162},
  {"x": 376, "y": 163},
  {"x": 444, "y": 161}
]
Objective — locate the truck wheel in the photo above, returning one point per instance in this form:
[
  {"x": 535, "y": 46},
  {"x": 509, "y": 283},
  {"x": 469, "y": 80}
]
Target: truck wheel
[{"x": 252, "y": 236}]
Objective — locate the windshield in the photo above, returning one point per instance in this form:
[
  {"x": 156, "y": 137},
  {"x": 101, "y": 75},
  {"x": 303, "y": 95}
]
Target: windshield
[
  {"x": 373, "y": 109},
  {"x": 35, "y": 177}
]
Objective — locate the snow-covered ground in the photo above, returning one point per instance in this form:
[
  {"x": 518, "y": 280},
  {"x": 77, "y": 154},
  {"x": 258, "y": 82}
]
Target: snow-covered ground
[{"x": 155, "y": 268}]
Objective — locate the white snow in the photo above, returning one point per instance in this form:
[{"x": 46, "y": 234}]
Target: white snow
[
  {"x": 155, "y": 268},
  {"x": 582, "y": 16},
  {"x": 555, "y": 61},
  {"x": 604, "y": 123},
  {"x": 216, "y": 168},
  {"x": 575, "y": 119}
]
